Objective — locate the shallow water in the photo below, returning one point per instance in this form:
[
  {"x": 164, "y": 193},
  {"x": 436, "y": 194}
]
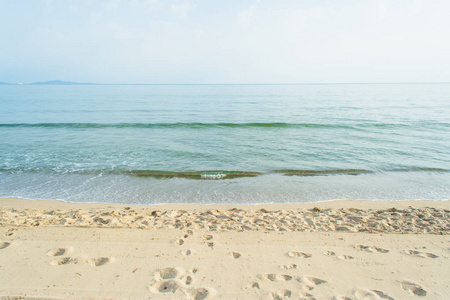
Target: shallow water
[{"x": 225, "y": 143}]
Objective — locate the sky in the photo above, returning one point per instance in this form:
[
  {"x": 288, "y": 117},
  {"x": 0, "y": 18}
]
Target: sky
[{"x": 232, "y": 41}]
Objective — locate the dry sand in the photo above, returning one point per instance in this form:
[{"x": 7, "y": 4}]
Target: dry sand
[{"x": 329, "y": 250}]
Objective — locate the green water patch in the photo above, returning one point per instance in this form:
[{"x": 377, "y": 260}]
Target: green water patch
[
  {"x": 194, "y": 125},
  {"x": 200, "y": 125},
  {"x": 323, "y": 172},
  {"x": 200, "y": 175},
  {"x": 197, "y": 125},
  {"x": 418, "y": 169}
]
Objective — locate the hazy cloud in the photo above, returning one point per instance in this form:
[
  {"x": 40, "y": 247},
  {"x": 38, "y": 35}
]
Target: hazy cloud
[{"x": 180, "y": 41}]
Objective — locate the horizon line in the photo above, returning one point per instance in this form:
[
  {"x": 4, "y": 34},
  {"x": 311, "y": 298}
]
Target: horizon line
[{"x": 301, "y": 83}]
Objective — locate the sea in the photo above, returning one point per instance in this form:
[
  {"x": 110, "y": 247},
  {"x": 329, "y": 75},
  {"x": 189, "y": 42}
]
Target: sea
[{"x": 225, "y": 144}]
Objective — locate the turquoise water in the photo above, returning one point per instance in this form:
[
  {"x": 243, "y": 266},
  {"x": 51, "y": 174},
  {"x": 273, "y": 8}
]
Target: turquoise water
[{"x": 225, "y": 143}]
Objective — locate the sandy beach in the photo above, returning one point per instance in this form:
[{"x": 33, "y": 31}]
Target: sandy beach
[
  {"x": 195, "y": 150},
  {"x": 328, "y": 250}
]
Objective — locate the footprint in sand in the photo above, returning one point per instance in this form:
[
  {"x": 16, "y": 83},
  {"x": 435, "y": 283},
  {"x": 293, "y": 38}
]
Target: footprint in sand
[
  {"x": 3, "y": 245},
  {"x": 309, "y": 283},
  {"x": 208, "y": 237},
  {"x": 288, "y": 267},
  {"x": 306, "y": 295},
  {"x": 208, "y": 240},
  {"x": 187, "y": 252},
  {"x": 277, "y": 277},
  {"x": 282, "y": 294},
  {"x": 421, "y": 254},
  {"x": 345, "y": 257},
  {"x": 10, "y": 231},
  {"x": 307, "y": 287},
  {"x": 254, "y": 285},
  {"x": 99, "y": 261},
  {"x": 312, "y": 280},
  {"x": 179, "y": 242},
  {"x": 57, "y": 252},
  {"x": 235, "y": 255},
  {"x": 339, "y": 297},
  {"x": 188, "y": 279},
  {"x": 329, "y": 253},
  {"x": 298, "y": 254},
  {"x": 167, "y": 286},
  {"x": 169, "y": 273},
  {"x": 413, "y": 288},
  {"x": 201, "y": 293},
  {"x": 363, "y": 294},
  {"x": 188, "y": 233},
  {"x": 371, "y": 249},
  {"x": 64, "y": 261},
  {"x": 96, "y": 262},
  {"x": 170, "y": 280}
]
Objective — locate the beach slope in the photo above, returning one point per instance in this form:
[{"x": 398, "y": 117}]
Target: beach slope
[{"x": 328, "y": 250}]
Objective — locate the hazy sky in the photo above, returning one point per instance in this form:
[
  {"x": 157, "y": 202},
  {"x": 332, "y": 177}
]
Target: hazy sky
[{"x": 227, "y": 41}]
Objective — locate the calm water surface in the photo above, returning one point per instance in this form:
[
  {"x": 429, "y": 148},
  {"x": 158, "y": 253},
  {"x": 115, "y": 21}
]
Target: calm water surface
[{"x": 225, "y": 143}]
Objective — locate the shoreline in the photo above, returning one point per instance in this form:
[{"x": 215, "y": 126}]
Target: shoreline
[
  {"x": 346, "y": 202},
  {"x": 337, "y": 250},
  {"x": 334, "y": 203},
  {"x": 263, "y": 189}
]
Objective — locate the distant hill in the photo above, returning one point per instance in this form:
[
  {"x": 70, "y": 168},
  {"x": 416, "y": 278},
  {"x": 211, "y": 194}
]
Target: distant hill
[
  {"x": 59, "y": 82},
  {"x": 3, "y": 83}
]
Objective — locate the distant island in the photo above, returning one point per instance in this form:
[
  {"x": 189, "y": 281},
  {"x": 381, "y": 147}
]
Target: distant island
[
  {"x": 52, "y": 82},
  {"x": 59, "y": 82}
]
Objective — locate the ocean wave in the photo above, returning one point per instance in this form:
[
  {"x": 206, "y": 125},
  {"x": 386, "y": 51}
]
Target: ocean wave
[
  {"x": 224, "y": 125},
  {"x": 324, "y": 172},
  {"x": 223, "y": 174},
  {"x": 193, "y": 174}
]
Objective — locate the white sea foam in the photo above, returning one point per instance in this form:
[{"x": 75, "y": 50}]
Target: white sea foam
[{"x": 214, "y": 176}]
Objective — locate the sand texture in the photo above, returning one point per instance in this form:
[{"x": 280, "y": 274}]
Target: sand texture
[
  {"x": 272, "y": 218},
  {"x": 331, "y": 250}
]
